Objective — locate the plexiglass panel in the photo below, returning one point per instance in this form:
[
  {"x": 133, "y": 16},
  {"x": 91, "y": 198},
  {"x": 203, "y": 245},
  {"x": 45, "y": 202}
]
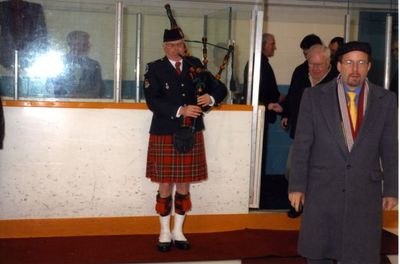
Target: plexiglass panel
[
  {"x": 369, "y": 25},
  {"x": 217, "y": 32},
  {"x": 65, "y": 52}
]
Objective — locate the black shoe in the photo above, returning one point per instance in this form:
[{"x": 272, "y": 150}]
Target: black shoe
[
  {"x": 182, "y": 244},
  {"x": 164, "y": 246},
  {"x": 293, "y": 213}
]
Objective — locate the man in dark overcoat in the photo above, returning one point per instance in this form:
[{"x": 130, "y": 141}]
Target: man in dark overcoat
[
  {"x": 2, "y": 125},
  {"x": 344, "y": 168},
  {"x": 172, "y": 91},
  {"x": 268, "y": 94}
]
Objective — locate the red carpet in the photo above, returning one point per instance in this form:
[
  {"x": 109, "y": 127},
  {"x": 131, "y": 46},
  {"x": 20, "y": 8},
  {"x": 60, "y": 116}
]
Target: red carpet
[{"x": 264, "y": 246}]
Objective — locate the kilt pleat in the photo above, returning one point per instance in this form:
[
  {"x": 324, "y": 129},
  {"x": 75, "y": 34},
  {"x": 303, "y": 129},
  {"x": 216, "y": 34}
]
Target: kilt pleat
[{"x": 166, "y": 165}]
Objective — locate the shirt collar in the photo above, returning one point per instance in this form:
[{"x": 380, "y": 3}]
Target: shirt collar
[
  {"x": 357, "y": 90},
  {"x": 173, "y": 62}
]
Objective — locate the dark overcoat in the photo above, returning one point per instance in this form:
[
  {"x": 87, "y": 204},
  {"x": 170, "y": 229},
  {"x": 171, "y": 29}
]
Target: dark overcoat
[
  {"x": 343, "y": 190},
  {"x": 2, "y": 125},
  {"x": 165, "y": 92}
]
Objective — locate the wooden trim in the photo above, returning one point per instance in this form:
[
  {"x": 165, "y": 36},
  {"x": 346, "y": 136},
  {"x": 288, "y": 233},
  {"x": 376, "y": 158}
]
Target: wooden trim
[
  {"x": 150, "y": 224},
  {"x": 106, "y": 105}
]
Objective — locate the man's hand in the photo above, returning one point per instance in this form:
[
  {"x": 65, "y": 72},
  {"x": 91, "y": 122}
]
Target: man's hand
[
  {"x": 296, "y": 200},
  {"x": 284, "y": 123},
  {"x": 389, "y": 203},
  {"x": 275, "y": 107},
  {"x": 190, "y": 111},
  {"x": 204, "y": 100}
]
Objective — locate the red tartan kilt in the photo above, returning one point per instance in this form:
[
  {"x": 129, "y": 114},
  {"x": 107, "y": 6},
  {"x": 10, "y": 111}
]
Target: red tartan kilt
[{"x": 166, "y": 165}]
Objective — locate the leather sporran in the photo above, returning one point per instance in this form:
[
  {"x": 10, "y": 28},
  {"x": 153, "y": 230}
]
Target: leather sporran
[{"x": 183, "y": 139}]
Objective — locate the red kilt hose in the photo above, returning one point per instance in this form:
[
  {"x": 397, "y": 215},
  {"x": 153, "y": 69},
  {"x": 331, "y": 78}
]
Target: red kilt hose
[{"x": 166, "y": 165}]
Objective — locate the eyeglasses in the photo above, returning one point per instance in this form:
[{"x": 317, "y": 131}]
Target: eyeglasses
[{"x": 360, "y": 63}]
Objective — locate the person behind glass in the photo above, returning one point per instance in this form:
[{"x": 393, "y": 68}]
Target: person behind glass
[
  {"x": 81, "y": 77},
  {"x": 334, "y": 45},
  {"x": 269, "y": 95},
  {"x": 299, "y": 74},
  {"x": 302, "y": 70},
  {"x": 319, "y": 71},
  {"x": 171, "y": 95},
  {"x": 344, "y": 168},
  {"x": 23, "y": 28}
]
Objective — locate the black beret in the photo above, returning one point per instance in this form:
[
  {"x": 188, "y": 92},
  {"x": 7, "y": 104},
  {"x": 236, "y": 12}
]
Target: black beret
[
  {"x": 354, "y": 46},
  {"x": 172, "y": 34}
]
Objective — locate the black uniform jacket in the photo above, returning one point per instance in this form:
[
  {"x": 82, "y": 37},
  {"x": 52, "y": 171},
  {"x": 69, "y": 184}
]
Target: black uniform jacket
[{"x": 165, "y": 91}]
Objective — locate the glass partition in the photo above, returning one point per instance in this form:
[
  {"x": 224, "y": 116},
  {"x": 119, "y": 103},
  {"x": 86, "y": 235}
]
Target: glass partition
[
  {"x": 65, "y": 50},
  {"x": 368, "y": 24},
  {"x": 154, "y": 20},
  {"x": 217, "y": 29}
]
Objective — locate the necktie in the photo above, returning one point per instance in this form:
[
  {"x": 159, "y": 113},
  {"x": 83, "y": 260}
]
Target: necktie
[
  {"x": 178, "y": 67},
  {"x": 353, "y": 108}
]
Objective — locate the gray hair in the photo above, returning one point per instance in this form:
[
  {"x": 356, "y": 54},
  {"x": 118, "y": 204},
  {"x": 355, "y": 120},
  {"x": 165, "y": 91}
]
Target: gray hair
[
  {"x": 266, "y": 37},
  {"x": 318, "y": 48},
  {"x": 77, "y": 34}
]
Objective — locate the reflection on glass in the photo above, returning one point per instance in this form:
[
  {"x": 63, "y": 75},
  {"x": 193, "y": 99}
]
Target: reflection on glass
[
  {"x": 219, "y": 52},
  {"x": 23, "y": 28},
  {"x": 79, "y": 76}
]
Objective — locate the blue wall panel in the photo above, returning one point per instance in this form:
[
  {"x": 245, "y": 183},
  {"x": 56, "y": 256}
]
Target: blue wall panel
[{"x": 278, "y": 145}]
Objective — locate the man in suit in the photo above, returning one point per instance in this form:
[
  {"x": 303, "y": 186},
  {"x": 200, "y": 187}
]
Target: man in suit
[
  {"x": 302, "y": 70},
  {"x": 319, "y": 71},
  {"x": 268, "y": 90},
  {"x": 268, "y": 94},
  {"x": 173, "y": 95},
  {"x": 344, "y": 168},
  {"x": 298, "y": 76}
]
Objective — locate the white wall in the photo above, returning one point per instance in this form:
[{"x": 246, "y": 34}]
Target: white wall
[
  {"x": 61, "y": 162},
  {"x": 290, "y": 25}
]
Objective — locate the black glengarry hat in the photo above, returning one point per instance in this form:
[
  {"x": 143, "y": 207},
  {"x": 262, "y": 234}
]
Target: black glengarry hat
[
  {"x": 172, "y": 34},
  {"x": 354, "y": 46}
]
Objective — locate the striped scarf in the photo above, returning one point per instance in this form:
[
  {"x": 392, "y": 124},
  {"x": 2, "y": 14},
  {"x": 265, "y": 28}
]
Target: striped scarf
[{"x": 349, "y": 133}]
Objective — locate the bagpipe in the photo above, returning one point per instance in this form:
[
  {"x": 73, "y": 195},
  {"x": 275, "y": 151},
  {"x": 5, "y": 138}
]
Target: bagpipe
[{"x": 200, "y": 75}]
